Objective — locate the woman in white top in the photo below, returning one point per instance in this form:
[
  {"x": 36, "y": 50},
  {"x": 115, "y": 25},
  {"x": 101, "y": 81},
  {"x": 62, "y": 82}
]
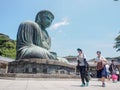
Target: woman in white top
[
  {"x": 101, "y": 69},
  {"x": 82, "y": 67}
]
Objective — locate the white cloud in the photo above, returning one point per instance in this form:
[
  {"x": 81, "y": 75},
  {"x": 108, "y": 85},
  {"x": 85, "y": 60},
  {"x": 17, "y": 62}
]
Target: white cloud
[{"x": 59, "y": 24}]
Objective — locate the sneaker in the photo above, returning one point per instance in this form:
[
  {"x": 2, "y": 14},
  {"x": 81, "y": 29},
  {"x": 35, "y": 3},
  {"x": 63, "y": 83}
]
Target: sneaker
[
  {"x": 87, "y": 84},
  {"x": 103, "y": 85},
  {"x": 83, "y": 85}
]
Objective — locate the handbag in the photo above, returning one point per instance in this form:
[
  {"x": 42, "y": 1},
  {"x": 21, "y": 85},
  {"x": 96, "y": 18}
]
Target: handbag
[
  {"x": 86, "y": 64},
  {"x": 100, "y": 65}
]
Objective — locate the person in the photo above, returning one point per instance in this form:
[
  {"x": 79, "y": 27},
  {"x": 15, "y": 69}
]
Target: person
[
  {"x": 108, "y": 71},
  {"x": 83, "y": 67},
  {"x": 33, "y": 41},
  {"x": 114, "y": 78},
  {"x": 113, "y": 71},
  {"x": 112, "y": 67},
  {"x": 101, "y": 69},
  {"x": 117, "y": 73}
]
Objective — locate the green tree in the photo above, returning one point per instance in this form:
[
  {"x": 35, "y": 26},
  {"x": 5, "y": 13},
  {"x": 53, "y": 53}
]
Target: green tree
[
  {"x": 7, "y": 46},
  {"x": 117, "y": 43}
]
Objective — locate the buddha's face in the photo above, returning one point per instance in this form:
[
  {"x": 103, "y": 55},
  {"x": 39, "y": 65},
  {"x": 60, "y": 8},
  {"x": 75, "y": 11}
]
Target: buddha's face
[{"x": 46, "y": 20}]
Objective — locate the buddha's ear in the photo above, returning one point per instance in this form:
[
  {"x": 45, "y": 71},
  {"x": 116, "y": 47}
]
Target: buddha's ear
[{"x": 38, "y": 18}]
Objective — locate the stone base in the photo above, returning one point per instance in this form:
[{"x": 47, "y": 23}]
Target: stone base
[
  {"x": 50, "y": 76},
  {"x": 35, "y": 66}
]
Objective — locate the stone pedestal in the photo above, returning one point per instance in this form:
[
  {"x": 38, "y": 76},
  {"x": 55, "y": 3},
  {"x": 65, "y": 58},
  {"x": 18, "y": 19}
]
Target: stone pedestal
[{"x": 33, "y": 66}]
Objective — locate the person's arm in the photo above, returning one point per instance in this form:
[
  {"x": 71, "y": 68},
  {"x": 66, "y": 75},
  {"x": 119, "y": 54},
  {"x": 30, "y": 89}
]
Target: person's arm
[
  {"x": 104, "y": 60},
  {"x": 95, "y": 60},
  {"x": 78, "y": 62},
  {"x": 84, "y": 56},
  {"x": 112, "y": 67}
]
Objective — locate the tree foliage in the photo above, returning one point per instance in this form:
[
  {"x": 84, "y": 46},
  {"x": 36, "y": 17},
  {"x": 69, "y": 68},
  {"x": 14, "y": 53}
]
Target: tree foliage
[
  {"x": 7, "y": 46},
  {"x": 117, "y": 43}
]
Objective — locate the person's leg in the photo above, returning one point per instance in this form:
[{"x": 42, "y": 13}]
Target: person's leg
[
  {"x": 103, "y": 76},
  {"x": 82, "y": 76},
  {"x": 108, "y": 76},
  {"x": 100, "y": 76},
  {"x": 103, "y": 81},
  {"x": 118, "y": 77}
]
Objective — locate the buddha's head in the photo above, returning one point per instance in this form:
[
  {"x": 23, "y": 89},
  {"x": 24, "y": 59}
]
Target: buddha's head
[{"x": 44, "y": 18}]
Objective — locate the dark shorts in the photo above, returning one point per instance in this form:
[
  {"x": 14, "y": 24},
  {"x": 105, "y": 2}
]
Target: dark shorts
[{"x": 102, "y": 73}]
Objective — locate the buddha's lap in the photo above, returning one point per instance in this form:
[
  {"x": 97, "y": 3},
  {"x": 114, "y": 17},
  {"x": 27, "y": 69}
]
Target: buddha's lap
[{"x": 35, "y": 51}]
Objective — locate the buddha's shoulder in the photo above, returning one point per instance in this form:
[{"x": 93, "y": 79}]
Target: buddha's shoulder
[{"x": 28, "y": 22}]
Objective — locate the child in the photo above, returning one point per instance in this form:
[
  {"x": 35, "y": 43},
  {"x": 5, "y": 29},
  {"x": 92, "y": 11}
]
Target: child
[{"x": 114, "y": 78}]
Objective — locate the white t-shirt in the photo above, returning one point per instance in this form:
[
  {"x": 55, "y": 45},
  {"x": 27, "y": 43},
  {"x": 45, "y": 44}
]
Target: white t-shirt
[
  {"x": 81, "y": 59},
  {"x": 117, "y": 71},
  {"x": 107, "y": 67},
  {"x": 99, "y": 59}
]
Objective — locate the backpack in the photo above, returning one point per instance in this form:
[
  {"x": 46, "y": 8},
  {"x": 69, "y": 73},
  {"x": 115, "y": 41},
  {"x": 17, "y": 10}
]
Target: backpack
[
  {"x": 86, "y": 64},
  {"x": 111, "y": 69},
  {"x": 100, "y": 65}
]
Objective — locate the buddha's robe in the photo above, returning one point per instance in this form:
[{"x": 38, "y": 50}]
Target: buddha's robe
[{"x": 32, "y": 42}]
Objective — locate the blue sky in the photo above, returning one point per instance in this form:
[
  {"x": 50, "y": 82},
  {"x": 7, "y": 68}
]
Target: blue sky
[{"x": 87, "y": 24}]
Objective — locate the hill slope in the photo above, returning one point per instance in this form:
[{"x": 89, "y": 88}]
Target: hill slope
[{"x": 7, "y": 46}]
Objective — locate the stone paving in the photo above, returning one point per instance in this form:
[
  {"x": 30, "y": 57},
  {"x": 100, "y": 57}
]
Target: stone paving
[{"x": 54, "y": 84}]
